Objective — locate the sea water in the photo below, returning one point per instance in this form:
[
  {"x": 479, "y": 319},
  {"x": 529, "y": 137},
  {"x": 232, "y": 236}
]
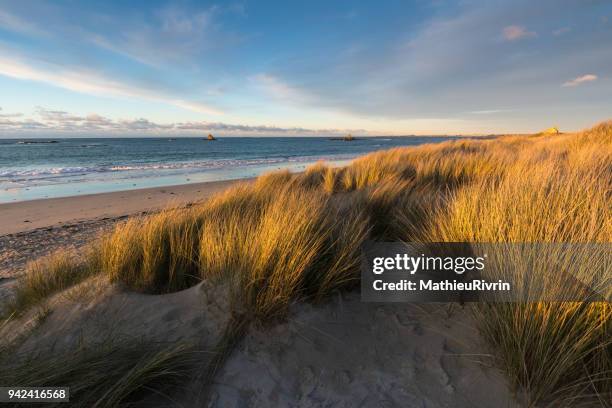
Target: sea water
[{"x": 43, "y": 168}]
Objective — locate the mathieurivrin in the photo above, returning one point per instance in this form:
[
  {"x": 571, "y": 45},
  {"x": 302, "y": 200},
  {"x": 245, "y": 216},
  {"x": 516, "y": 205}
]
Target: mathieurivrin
[{"x": 431, "y": 285}]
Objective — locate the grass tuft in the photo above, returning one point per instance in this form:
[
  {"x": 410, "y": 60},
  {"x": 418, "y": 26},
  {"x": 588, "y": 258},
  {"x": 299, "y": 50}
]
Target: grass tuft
[
  {"x": 52, "y": 274},
  {"x": 106, "y": 375}
]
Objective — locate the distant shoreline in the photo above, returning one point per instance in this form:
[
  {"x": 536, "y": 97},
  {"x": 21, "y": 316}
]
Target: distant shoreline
[{"x": 52, "y": 139}]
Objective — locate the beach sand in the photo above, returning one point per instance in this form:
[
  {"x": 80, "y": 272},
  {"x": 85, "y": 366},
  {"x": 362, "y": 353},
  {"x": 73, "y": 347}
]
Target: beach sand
[
  {"x": 31, "y": 229},
  {"x": 51, "y": 212},
  {"x": 342, "y": 352},
  {"x": 348, "y": 353}
]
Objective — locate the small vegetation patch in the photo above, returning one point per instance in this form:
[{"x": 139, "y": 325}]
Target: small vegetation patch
[{"x": 106, "y": 375}]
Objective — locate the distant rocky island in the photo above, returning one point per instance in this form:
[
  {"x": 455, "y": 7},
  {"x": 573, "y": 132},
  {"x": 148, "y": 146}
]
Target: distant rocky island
[
  {"x": 347, "y": 138},
  {"x": 210, "y": 137}
]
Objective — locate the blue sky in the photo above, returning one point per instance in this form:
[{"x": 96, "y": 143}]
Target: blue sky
[{"x": 81, "y": 68}]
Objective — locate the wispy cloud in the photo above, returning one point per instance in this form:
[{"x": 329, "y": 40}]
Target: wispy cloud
[
  {"x": 517, "y": 32},
  {"x": 561, "y": 31},
  {"x": 172, "y": 34},
  {"x": 17, "y": 24},
  {"x": 153, "y": 36},
  {"x": 194, "y": 106},
  {"x": 454, "y": 60},
  {"x": 580, "y": 80},
  {"x": 277, "y": 88},
  {"x": 65, "y": 122},
  {"x": 487, "y": 111},
  {"x": 9, "y": 115},
  {"x": 92, "y": 83}
]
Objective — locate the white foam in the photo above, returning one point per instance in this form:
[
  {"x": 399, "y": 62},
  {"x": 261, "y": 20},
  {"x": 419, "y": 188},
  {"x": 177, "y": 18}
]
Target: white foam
[{"x": 40, "y": 173}]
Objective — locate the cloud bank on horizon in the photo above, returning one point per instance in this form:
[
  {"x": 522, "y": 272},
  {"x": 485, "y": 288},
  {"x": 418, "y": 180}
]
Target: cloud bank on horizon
[{"x": 269, "y": 68}]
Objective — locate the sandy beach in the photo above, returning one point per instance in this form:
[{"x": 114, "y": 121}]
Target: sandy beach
[
  {"x": 29, "y": 215},
  {"x": 31, "y": 229}
]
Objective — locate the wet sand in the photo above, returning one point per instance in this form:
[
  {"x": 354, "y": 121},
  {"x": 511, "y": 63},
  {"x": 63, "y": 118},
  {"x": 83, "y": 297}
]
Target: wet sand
[{"x": 34, "y": 214}]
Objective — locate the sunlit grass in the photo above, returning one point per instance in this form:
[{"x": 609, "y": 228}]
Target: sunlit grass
[
  {"x": 287, "y": 237},
  {"x": 52, "y": 274},
  {"x": 555, "y": 191}
]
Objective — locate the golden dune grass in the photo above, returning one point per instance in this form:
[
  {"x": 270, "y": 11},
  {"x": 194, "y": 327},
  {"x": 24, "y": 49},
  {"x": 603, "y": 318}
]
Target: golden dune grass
[
  {"x": 548, "y": 349},
  {"x": 276, "y": 241},
  {"x": 54, "y": 273},
  {"x": 293, "y": 237}
]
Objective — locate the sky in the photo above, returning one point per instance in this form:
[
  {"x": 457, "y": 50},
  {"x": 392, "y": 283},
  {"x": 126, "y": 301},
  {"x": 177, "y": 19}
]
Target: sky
[{"x": 271, "y": 68}]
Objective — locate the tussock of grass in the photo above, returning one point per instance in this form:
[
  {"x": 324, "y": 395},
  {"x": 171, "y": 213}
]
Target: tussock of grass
[
  {"x": 272, "y": 180},
  {"x": 154, "y": 254},
  {"x": 314, "y": 176},
  {"x": 106, "y": 375},
  {"x": 52, "y": 274},
  {"x": 376, "y": 167},
  {"x": 294, "y": 247},
  {"x": 290, "y": 237},
  {"x": 331, "y": 183},
  {"x": 386, "y": 200}
]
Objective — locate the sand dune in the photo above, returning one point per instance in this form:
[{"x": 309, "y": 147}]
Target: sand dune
[
  {"x": 346, "y": 353},
  {"x": 341, "y": 353}
]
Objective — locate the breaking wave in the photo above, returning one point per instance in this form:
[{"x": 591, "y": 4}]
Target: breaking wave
[{"x": 27, "y": 174}]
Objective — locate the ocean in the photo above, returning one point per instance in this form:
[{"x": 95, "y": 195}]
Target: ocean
[{"x": 43, "y": 168}]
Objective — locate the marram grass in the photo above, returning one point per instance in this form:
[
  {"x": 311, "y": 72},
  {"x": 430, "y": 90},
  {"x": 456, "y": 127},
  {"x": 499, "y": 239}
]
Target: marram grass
[{"x": 287, "y": 237}]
